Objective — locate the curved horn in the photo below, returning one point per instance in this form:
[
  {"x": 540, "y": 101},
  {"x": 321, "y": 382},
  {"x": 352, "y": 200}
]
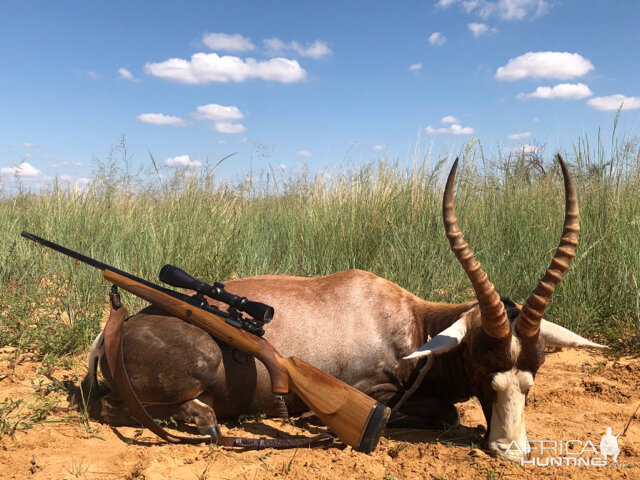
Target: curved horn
[
  {"x": 528, "y": 321},
  {"x": 494, "y": 317}
]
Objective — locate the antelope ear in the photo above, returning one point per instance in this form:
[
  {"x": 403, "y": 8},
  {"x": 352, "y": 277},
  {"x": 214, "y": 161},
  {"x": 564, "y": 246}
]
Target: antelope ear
[
  {"x": 446, "y": 340},
  {"x": 558, "y": 336}
]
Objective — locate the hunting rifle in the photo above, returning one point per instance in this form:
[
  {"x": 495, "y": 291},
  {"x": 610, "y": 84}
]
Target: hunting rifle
[{"x": 356, "y": 418}]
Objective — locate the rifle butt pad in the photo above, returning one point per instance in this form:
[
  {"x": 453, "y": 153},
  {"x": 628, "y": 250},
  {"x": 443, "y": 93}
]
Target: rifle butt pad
[{"x": 376, "y": 422}]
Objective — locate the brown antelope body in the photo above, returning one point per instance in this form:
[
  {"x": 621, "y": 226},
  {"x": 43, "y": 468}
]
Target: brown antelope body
[{"x": 364, "y": 330}]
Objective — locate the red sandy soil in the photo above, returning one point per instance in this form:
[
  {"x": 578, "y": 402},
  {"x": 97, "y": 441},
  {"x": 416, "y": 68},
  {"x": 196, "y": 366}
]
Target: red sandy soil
[{"x": 577, "y": 395}]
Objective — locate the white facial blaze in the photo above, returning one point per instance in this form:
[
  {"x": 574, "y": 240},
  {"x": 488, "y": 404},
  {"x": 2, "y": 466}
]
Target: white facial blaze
[{"x": 507, "y": 415}]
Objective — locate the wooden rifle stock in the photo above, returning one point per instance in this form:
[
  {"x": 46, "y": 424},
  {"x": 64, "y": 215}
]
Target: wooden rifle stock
[{"x": 356, "y": 418}]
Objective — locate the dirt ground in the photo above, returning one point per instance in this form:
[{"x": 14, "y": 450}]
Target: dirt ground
[{"x": 577, "y": 395}]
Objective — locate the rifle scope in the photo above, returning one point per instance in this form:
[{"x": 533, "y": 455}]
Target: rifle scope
[{"x": 176, "y": 277}]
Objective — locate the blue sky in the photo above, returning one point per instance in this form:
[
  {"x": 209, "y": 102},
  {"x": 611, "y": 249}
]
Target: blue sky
[{"x": 315, "y": 84}]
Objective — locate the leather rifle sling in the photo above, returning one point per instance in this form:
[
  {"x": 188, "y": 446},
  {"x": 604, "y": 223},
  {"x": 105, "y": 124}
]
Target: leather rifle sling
[{"x": 113, "y": 345}]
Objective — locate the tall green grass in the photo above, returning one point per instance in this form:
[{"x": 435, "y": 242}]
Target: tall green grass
[{"x": 382, "y": 217}]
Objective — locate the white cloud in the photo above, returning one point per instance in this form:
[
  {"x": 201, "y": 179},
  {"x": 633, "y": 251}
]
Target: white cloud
[
  {"x": 317, "y": 49},
  {"x": 182, "y": 161},
  {"x": 414, "y": 67},
  {"x": 454, "y": 129},
  {"x": 613, "y": 102},
  {"x": 91, "y": 74},
  {"x": 223, "y": 117},
  {"x": 535, "y": 119},
  {"x": 127, "y": 75},
  {"x": 218, "y": 113},
  {"x": 505, "y": 9},
  {"x": 436, "y": 38},
  {"x": 228, "y": 43},
  {"x": 479, "y": 29},
  {"x": 525, "y": 149},
  {"x": 378, "y": 147},
  {"x": 66, "y": 163},
  {"x": 34, "y": 179},
  {"x": 209, "y": 67},
  {"x": 445, "y": 3},
  {"x": 227, "y": 127},
  {"x": 25, "y": 170},
  {"x": 31, "y": 145},
  {"x": 303, "y": 154},
  {"x": 560, "y": 65},
  {"x": 565, "y": 91},
  {"x": 512, "y": 9},
  {"x": 471, "y": 5},
  {"x": 161, "y": 119},
  {"x": 519, "y": 136},
  {"x": 76, "y": 182}
]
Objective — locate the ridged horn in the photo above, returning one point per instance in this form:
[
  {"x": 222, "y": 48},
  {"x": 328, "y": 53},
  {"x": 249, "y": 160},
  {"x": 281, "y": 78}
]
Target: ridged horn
[
  {"x": 494, "y": 317},
  {"x": 528, "y": 321}
]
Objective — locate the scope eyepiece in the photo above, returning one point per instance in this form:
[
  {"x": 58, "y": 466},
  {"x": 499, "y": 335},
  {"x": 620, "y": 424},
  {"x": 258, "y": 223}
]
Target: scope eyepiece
[
  {"x": 176, "y": 277},
  {"x": 258, "y": 310}
]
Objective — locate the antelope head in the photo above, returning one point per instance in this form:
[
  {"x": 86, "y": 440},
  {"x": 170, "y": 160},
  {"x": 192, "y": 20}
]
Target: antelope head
[{"x": 505, "y": 342}]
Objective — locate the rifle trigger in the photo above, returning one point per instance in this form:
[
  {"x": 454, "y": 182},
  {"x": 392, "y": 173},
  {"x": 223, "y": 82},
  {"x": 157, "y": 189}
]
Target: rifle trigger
[{"x": 240, "y": 357}]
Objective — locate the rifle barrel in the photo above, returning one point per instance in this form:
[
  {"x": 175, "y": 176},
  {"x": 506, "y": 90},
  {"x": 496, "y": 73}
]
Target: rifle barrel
[
  {"x": 103, "y": 266},
  {"x": 71, "y": 253}
]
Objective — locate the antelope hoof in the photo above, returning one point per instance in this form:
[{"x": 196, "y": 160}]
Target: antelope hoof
[{"x": 212, "y": 430}]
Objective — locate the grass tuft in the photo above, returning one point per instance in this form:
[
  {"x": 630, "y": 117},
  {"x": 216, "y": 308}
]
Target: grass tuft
[{"x": 381, "y": 217}]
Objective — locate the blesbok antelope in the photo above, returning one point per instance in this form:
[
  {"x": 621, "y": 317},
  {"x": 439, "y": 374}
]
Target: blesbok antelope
[{"x": 366, "y": 331}]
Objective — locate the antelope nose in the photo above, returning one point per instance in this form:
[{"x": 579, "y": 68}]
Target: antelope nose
[{"x": 508, "y": 450}]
